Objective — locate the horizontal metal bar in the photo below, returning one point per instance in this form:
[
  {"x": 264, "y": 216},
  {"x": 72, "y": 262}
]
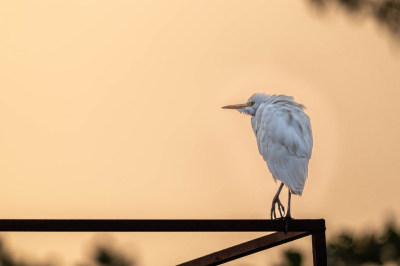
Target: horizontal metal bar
[
  {"x": 245, "y": 249},
  {"x": 61, "y": 225}
]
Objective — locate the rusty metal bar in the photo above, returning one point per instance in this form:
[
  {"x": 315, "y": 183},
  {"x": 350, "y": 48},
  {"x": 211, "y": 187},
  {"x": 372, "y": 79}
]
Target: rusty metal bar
[
  {"x": 297, "y": 229},
  {"x": 245, "y": 249},
  {"x": 61, "y": 225},
  {"x": 319, "y": 248}
]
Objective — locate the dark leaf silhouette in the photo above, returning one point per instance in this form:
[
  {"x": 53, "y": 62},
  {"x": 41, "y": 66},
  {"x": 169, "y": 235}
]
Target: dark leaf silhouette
[
  {"x": 347, "y": 249},
  {"x": 291, "y": 258},
  {"x": 386, "y": 12}
]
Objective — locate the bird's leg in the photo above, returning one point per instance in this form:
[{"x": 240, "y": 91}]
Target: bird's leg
[
  {"x": 288, "y": 216},
  {"x": 277, "y": 201}
]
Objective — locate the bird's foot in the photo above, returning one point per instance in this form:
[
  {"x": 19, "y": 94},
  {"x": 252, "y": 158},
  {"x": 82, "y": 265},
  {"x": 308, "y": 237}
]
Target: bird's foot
[
  {"x": 281, "y": 209},
  {"x": 287, "y": 218}
]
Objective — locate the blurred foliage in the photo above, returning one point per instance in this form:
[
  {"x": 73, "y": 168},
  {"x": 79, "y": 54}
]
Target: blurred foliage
[
  {"x": 386, "y": 12},
  {"x": 8, "y": 258},
  {"x": 100, "y": 255},
  {"x": 107, "y": 255},
  {"x": 347, "y": 249},
  {"x": 373, "y": 248},
  {"x": 291, "y": 258}
]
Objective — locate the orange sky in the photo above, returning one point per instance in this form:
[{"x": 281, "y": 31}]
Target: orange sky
[{"x": 112, "y": 110}]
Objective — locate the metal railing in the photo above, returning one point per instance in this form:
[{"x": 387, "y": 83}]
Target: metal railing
[{"x": 297, "y": 229}]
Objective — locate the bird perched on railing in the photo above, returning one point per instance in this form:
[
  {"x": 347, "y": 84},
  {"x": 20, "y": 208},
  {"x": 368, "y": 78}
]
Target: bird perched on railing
[{"x": 284, "y": 139}]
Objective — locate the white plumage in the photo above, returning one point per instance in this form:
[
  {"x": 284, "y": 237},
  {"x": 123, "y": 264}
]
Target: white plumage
[{"x": 284, "y": 138}]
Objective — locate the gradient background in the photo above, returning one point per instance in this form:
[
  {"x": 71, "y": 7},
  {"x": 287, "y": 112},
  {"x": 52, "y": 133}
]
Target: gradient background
[{"x": 111, "y": 109}]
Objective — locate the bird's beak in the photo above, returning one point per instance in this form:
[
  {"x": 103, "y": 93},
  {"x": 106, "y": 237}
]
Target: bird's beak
[{"x": 237, "y": 106}]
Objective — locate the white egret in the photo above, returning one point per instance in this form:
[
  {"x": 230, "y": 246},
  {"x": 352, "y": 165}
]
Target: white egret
[{"x": 284, "y": 139}]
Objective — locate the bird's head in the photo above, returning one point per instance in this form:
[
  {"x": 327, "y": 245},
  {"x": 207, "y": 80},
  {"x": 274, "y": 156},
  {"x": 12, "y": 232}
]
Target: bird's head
[{"x": 252, "y": 104}]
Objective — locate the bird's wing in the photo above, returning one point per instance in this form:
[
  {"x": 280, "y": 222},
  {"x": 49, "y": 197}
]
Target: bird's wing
[{"x": 284, "y": 139}]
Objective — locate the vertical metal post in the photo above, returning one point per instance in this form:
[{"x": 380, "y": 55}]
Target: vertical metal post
[{"x": 319, "y": 248}]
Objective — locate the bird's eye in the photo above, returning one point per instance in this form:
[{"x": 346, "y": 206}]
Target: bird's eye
[{"x": 251, "y": 104}]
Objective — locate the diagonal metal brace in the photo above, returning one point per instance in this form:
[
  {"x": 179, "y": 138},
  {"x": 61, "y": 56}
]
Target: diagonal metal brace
[{"x": 246, "y": 248}]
